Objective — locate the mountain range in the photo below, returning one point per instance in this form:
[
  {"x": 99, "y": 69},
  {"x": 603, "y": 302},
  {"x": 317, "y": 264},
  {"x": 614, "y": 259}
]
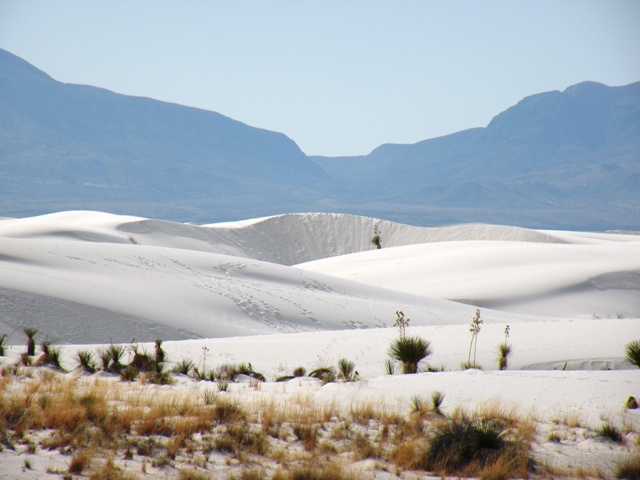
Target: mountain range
[{"x": 566, "y": 159}]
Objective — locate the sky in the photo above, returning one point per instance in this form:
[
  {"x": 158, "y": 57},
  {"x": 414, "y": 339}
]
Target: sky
[{"x": 338, "y": 77}]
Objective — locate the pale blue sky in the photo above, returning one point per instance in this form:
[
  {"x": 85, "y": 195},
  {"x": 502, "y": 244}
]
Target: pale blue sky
[{"x": 338, "y": 77}]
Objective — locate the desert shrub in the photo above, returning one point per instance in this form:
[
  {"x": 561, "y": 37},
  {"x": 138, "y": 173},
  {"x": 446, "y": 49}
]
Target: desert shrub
[
  {"x": 129, "y": 374},
  {"x": 30, "y": 332},
  {"x": 142, "y": 362},
  {"x": 85, "y": 361},
  {"x": 247, "y": 439},
  {"x": 363, "y": 447},
  {"x": 307, "y": 434},
  {"x": 346, "y": 370},
  {"x": 184, "y": 366},
  {"x": 461, "y": 442},
  {"x": 3, "y": 339},
  {"x": 299, "y": 372},
  {"x": 226, "y": 411},
  {"x": 629, "y": 468},
  {"x": 410, "y": 351},
  {"x": 229, "y": 371},
  {"x": 632, "y": 353},
  {"x": 160, "y": 375}
]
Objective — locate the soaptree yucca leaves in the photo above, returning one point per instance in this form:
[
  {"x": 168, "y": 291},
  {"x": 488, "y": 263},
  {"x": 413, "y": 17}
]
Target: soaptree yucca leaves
[
  {"x": 410, "y": 351},
  {"x": 85, "y": 361},
  {"x": 632, "y": 353},
  {"x": 504, "y": 350},
  {"x": 30, "y": 332},
  {"x": 346, "y": 370}
]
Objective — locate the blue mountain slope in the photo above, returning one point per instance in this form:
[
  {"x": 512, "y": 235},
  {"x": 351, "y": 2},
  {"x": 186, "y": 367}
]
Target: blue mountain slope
[
  {"x": 94, "y": 145},
  {"x": 555, "y": 160}
]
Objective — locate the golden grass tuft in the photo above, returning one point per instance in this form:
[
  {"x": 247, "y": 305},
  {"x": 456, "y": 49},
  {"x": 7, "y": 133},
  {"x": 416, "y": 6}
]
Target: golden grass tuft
[{"x": 79, "y": 462}]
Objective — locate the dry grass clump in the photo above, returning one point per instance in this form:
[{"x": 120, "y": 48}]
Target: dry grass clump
[
  {"x": 79, "y": 462},
  {"x": 465, "y": 445},
  {"x": 629, "y": 468},
  {"x": 316, "y": 470},
  {"x": 109, "y": 471},
  {"x": 294, "y": 435},
  {"x": 192, "y": 474},
  {"x": 250, "y": 473}
]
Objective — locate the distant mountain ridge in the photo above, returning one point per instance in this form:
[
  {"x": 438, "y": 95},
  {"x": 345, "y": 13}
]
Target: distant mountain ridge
[
  {"x": 73, "y": 145},
  {"x": 555, "y": 160}
]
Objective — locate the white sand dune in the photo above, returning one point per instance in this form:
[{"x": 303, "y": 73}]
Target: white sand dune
[
  {"x": 550, "y": 279},
  {"x": 309, "y": 289},
  {"x": 87, "y": 277}
]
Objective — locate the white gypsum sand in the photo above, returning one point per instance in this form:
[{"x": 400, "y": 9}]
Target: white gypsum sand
[{"x": 306, "y": 290}]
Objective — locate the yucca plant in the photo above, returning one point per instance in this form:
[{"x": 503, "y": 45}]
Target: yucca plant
[
  {"x": 184, "y": 366},
  {"x": 51, "y": 355},
  {"x": 104, "y": 355},
  {"x": 85, "y": 361},
  {"x": 437, "y": 398},
  {"x": 632, "y": 353},
  {"x": 117, "y": 354},
  {"x": 389, "y": 366},
  {"x": 474, "y": 328},
  {"x": 160, "y": 353},
  {"x": 418, "y": 405},
  {"x": 3, "y": 339},
  {"x": 376, "y": 239},
  {"x": 30, "y": 332},
  {"x": 410, "y": 351},
  {"x": 504, "y": 350},
  {"x": 346, "y": 370},
  {"x": 326, "y": 374}
]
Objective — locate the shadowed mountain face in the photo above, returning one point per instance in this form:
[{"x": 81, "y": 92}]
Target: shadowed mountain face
[
  {"x": 70, "y": 146},
  {"x": 561, "y": 159},
  {"x": 558, "y": 159}
]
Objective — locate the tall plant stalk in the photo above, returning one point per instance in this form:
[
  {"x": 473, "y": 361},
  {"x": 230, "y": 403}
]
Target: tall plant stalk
[{"x": 475, "y": 330}]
